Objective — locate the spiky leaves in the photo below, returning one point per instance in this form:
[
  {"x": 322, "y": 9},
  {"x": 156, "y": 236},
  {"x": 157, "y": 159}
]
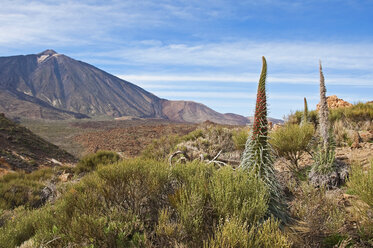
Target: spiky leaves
[{"x": 258, "y": 157}]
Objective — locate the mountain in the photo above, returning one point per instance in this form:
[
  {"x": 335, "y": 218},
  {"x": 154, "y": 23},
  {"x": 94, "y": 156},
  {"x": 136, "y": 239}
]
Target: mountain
[
  {"x": 22, "y": 149},
  {"x": 55, "y": 80},
  {"x": 187, "y": 111},
  {"x": 49, "y": 85}
]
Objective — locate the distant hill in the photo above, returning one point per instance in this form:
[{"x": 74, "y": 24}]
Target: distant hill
[
  {"x": 22, "y": 149},
  {"x": 187, "y": 111},
  {"x": 49, "y": 85}
]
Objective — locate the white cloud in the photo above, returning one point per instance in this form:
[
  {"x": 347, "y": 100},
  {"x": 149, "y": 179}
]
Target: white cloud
[
  {"x": 247, "y": 54},
  {"x": 227, "y": 95},
  {"x": 249, "y": 78}
]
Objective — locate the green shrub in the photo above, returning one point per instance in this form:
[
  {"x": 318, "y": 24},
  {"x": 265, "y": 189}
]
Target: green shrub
[
  {"x": 18, "y": 230},
  {"x": 19, "y": 188},
  {"x": 159, "y": 149},
  {"x": 207, "y": 140},
  {"x": 91, "y": 161},
  {"x": 207, "y": 195},
  {"x": 240, "y": 137},
  {"x": 232, "y": 233},
  {"x": 296, "y": 118},
  {"x": 138, "y": 203},
  {"x": 233, "y": 194},
  {"x": 291, "y": 141},
  {"x": 268, "y": 235}
]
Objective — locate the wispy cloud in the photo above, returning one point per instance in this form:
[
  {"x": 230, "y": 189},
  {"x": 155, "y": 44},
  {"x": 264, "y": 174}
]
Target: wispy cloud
[
  {"x": 250, "y": 78},
  {"x": 241, "y": 54}
]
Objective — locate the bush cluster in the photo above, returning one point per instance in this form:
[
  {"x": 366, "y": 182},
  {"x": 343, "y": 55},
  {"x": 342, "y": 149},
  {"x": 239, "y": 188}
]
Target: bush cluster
[
  {"x": 19, "y": 188},
  {"x": 291, "y": 141},
  {"x": 207, "y": 140},
  {"x": 91, "y": 161},
  {"x": 143, "y": 203},
  {"x": 240, "y": 137}
]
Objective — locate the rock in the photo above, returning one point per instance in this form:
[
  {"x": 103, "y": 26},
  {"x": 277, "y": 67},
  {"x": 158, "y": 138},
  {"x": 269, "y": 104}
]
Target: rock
[
  {"x": 366, "y": 136},
  {"x": 64, "y": 177},
  {"x": 47, "y": 193},
  {"x": 276, "y": 126},
  {"x": 335, "y": 102},
  {"x": 270, "y": 125}
]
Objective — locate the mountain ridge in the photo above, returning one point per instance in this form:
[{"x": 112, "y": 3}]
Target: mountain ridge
[{"x": 49, "y": 85}]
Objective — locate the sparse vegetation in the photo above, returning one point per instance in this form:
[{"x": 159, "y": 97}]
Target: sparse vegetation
[
  {"x": 357, "y": 113},
  {"x": 358, "y": 116},
  {"x": 361, "y": 183}
]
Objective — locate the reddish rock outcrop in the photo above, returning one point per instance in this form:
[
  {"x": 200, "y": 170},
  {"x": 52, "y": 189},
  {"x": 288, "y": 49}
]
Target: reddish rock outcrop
[{"x": 335, "y": 102}]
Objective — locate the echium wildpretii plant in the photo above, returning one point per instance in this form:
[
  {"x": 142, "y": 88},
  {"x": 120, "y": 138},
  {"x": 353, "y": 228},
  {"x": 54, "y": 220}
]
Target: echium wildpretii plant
[
  {"x": 258, "y": 157},
  {"x": 324, "y": 155},
  {"x": 305, "y": 113}
]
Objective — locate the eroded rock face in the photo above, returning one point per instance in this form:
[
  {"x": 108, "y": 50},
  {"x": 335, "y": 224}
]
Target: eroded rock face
[{"x": 335, "y": 102}]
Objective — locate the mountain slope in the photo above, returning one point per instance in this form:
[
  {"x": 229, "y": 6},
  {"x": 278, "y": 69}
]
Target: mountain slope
[
  {"x": 22, "y": 149},
  {"x": 49, "y": 85},
  {"x": 75, "y": 86},
  {"x": 18, "y": 104},
  {"x": 187, "y": 111}
]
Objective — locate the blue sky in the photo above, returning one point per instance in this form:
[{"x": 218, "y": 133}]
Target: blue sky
[{"x": 208, "y": 51}]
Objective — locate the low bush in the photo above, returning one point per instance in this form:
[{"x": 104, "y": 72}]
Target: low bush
[
  {"x": 206, "y": 141},
  {"x": 296, "y": 118},
  {"x": 291, "y": 141},
  {"x": 232, "y": 233},
  {"x": 240, "y": 137},
  {"x": 19, "y": 188},
  {"x": 160, "y": 149},
  {"x": 91, "y": 161},
  {"x": 146, "y": 203}
]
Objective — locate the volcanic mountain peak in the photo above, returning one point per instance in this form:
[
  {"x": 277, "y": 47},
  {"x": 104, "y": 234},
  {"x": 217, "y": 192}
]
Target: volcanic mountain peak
[
  {"x": 49, "y": 85},
  {"x": 48, "y": 52}
]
